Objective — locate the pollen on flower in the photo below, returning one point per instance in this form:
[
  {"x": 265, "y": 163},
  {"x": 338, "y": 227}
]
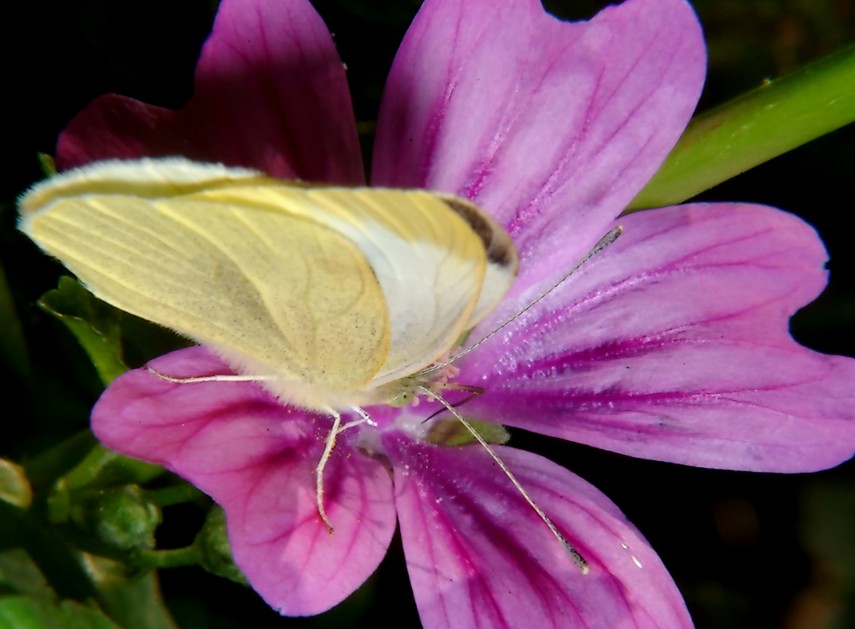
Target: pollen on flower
[{"x": 445, "y": 373}]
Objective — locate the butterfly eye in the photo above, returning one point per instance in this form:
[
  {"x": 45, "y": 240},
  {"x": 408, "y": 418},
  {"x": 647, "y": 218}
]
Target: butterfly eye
[{"x": 403, "y": 397}]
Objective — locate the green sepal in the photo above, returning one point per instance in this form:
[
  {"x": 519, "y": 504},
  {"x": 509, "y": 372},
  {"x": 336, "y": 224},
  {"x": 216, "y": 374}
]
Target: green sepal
[{"x": 214, "y": 549}]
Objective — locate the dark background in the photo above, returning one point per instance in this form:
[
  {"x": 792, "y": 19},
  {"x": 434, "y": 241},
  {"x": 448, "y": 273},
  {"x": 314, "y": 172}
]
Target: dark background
[{"x": 746, "y": 550}]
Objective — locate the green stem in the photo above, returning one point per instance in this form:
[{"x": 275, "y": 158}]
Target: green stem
[
  {"x": 173, "y": 558},
  {"x": 762, "y": 124},
  {"x": 46, "y": 466},
  {"x": 176, "y": 494},
  {"x": 88, "y": 469},
  {"x": 122, "y": 469}
]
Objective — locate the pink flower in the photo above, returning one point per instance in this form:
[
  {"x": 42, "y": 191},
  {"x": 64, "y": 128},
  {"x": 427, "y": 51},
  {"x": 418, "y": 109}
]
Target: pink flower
[{"x": 670, "y": 345}]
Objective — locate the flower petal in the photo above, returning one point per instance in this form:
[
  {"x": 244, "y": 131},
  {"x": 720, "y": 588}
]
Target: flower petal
[
  {"x": 552, "y": 127},
  {"x": 673, "y": 345},
  {"x": 270, "y": 93},
  {"x": 256, "y": 458},
  {"x": 479, "y": 556}
]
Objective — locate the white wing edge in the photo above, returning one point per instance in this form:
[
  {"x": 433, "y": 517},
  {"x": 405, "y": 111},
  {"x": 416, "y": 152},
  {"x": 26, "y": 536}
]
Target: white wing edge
[{"x": 146, "y": 177}]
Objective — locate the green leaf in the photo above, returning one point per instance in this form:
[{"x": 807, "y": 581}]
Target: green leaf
[
  {"x": 132, "y": 602},
  {"x": 94, "y": 324},
  {"x": 14, "y": 485},
  {"x": 754, "y": 128},
  {"x": 19, "y": 574},
  {"x": 22, "y": 612},
  {"x": 47, "y": 549},
  {"x": 112, "y": 338},
  {"x": 48, "y": 164}
]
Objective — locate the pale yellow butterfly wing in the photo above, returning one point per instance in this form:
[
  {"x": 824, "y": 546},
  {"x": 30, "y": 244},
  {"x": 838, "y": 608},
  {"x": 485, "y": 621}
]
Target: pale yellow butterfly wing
[
  {"x": 274, "y": 293},
  {"x": 335, "y": 291},
  {"x": 428, "y": 253}
]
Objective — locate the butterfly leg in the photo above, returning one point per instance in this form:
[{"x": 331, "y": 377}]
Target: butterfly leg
[
  {"x": 319, "y": 470},
  {"x": 215, "y": 378},
  {"x": 337, "y": 427},
  {"x": 364, "y": 418}
]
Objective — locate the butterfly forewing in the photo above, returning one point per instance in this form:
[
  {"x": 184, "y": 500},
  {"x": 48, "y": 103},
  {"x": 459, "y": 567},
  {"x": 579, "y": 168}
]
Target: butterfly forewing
[{"x": 270, "y": 290}]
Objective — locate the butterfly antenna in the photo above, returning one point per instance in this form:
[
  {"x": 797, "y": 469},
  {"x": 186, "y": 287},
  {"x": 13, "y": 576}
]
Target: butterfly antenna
[
  {"x": 575, "y": 555},
  {"x": 604, "y": 242}
]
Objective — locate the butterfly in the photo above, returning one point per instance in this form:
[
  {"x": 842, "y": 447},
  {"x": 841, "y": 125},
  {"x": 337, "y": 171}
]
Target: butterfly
[{"x": 332, "y": 297}]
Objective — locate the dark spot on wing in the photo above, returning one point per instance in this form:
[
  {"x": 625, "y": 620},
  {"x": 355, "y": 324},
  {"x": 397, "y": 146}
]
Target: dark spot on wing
[{"x": 498, "y": 245}]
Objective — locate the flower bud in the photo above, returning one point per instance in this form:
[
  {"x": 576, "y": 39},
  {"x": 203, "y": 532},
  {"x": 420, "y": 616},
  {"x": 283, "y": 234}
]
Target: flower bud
[{"x": 122, "y": 518}]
